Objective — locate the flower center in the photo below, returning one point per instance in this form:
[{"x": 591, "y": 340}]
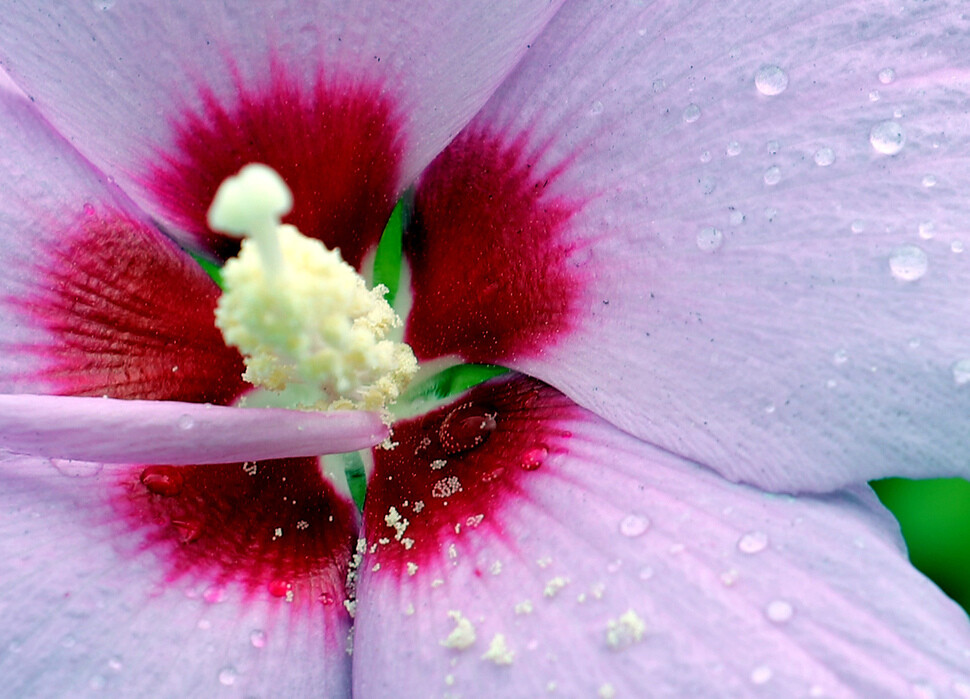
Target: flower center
[{"x": 303, "y": 318}]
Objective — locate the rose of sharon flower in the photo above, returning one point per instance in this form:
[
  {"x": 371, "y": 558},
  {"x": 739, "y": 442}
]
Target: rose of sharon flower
[{"x": 719, "y": 245}]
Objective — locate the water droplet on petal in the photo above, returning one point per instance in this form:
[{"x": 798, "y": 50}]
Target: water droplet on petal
[
  {"x": 840, "y": 357},
  {"x": 646, "y": 573},
  {"x": 772, "y": 175},
  {"x": 163, "y": 480},
  {"x": 214, "y": 594},
  {"x": 596, "y": 108},
  {"x": 659, "y": 85},
  {"x": 779, "y": 611},
  {"x": 692, "y": 113},
  {"x": 961, "y": 372},
  {"x": 466, "y": 427},
  {"x": 923, "y": 690},
  {"x": 729, "y": 577},
  {"x": 733, "y": 149},
  {"x": 887, "y": 75},
  {"x": 770, "y": 80},
  {"x": 706, "y": 156},
  {"x": 908, "y": 263},
  {"x": 927, "y": 229},
  {"x": 534, "y": 458},
  {"x": 773, "y": 147},
  {"x": 857, "y": 226},
  {"x": 76, "y": 469},
  {"x": 103, "y": 5},
  {"x": 88, "y": 209},
  {"x": 874, "y": 95},
  {"x": 634, "y": 525},
  {"x": 761, "y": 674},
  {"x": 824, "y": 156},
  {"x": 710, "y": 239},
  {"x": 278, "y": 587},
  {"x": 753, "y": 542},
  {"x": 956, "y": 246},
  {"x": 928, "y": 181},
  {"x": 887, "y": 137},
  {"x": 186, "y": 422},
  {"x": 258, "y": 638},
  {"x": 189, "y": 530},
  {"x": 227, "y": 676},
  {"x": 736, "y": 218}
]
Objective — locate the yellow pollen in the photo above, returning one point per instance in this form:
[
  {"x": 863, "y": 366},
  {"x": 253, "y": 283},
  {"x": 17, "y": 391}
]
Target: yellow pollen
[{"x": 302, "y": 318}]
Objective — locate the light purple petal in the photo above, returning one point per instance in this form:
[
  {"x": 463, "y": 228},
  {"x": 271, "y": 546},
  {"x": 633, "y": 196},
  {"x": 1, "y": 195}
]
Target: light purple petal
[
  {"x": 613, "y": 564},
  {"x": 116, "y": 77},
  {"x": 91, "y": 603},
  {"x": 762, "y": 286},
  {"x": 168, "y": 432}
]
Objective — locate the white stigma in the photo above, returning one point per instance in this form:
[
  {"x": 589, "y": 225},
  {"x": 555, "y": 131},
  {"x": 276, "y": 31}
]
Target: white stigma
[{"x": 303, "y": 318}]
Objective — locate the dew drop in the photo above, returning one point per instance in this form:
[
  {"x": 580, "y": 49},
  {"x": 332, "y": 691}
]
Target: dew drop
[
  {"x": 824, "y": 156},
  {"x": 772, "y": 175},
  {"x": 708, "y": 185},
  {"x": 761, "y": 674},
  {"x": 710, "y": 239},
  {"x": 634, "y": 525},
  {"x": 928, "y": 181},
  {"x": 103, "y": 5},
  {"x": 773, "y": 147},
  {"x": 857, "y": 226},
  {"x": 874, "y": 95},
  {"x": 736, "y": 218},
  {"x": 840, "y": 357},
  {"x": 770, "y": 80},
  {"x": 927, "y": 229},
  {"x": 466, "y": 427},
  {"x": 961, "y": 372},
  {"x": 646, "y": 573},
  {"x": 186, "y": 422},
  {"x": 659, "y": 85},
  {"x": 76, "y": 469},
  {"x": 692, "y": 113},
  {"x": 596, "y": 109},
  {"x": 227, "y": 676},
  {"x": 956, "y": 246},
  {"x": 908, "y": 263},
  {"x": 189, "y": 530},
  {"x": 887, "y": 75},
  {"x": 88, "y": 209},
  {"x": 733, "y": 149},
  {"x": 214, "y": 594},
  {"x": 278, "y": 587},
  {"x": 534, "y": 458},
  {"x": 753, "y": 542},
  {"x": 887, "y": 137},
  {"x": 779, "y": 611},
  {"x": 729, "y": 577},
  {"x": 163, "y": 480},
  {"x": 258, "y": 638}
]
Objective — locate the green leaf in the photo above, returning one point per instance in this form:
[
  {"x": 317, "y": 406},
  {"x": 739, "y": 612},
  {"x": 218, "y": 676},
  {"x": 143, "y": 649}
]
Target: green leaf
[
  {"x": 356, "y": 476},
  {"x": 211, "y": 268},
  {"x": 387, "y": 261},
  {"x": 452, "y": 380}
]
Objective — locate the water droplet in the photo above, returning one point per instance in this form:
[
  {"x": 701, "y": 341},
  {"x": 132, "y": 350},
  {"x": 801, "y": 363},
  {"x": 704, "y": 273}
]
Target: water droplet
[
  {"x": 840, "y": 357},
  {"x": 163, "y": 480},
  {"x": 186, "y": 422},
  {"x": 928, "y": 181},
  {"x": 692, "y": 113},
  {"x": 596, "y": 109},
  {"x": 961, "y": 372},
  {"x": 923, "y": 690},
  {"x": 534, "y": 458},
  {"x": 708, "y": 185},
  {"x": 97, "y": 683},
  {"x": 887, "y": 75},
  {"x": 278, "y": 587},
  {"x": 772, "y": 175},
  {"x": 927, "y": 229},
  {"x": 753, "y": 542},
  {"x": 874, "y": 95},
  {"x": 908, "y": 263},
  {"x": 76, "y": 469},
  {"x": 88, "y": 209},
  {"x": 115, "y": 663},
  {"x": 736, "y": 218},
  {"x": 188, "y": 530},
  {"x": 103, "y": 5},
  {"x": 634, "y": 525},
  {"x": 646, "y": 573},
  {"x": 898, "y": 113},
  {"x": 659, "y": 85},
  {"x": 956, "y": 246},
  {"x": 770, "y": 80},
  {"x": 326, "y": 599},
  {"x": 887, "y": 137},
  {"x": 770, "y": 213},
  {"x": 761, "y": 674},
  {"x": 824, "y": 156},
  {"x": 858, "y": 226},
  {"x": 466, "y": 427},
  {"x": 227, "y": 676},
  {"x": 729, "y": 577},
  {"x": 710, "y": 239},
  {"x": 258, "y": 638},
  {"x": 214, "y": 594},
  {"x": 773, "y": 147},
  {"x": 733, "y": 149},
  {"x": 779, "y": 611}
]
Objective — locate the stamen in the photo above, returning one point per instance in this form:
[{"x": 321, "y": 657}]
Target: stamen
[{"x": 303, "y": 319}]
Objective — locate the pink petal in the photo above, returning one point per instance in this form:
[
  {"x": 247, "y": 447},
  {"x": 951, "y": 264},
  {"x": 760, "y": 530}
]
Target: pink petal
[
  {"x": 349, "y": 100},
  {"x": 142, "y": 431},
  {"x": 735, "y": 295},
  {"x": 97, "y": 596},
  {"x": 93, "y": 299},
  {"x": 607, "y": 563}
]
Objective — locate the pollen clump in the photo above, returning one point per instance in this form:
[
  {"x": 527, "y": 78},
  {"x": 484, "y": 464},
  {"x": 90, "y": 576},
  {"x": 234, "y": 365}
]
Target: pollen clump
[{"x": 303, "y": 318}]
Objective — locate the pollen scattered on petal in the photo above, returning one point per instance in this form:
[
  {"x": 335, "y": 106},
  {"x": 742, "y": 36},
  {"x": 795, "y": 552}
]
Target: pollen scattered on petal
[
  {"x": 498, "y": 651},
  {"x": 303, "y": 318},
  {"x": 625, "y": 631},
  {"x": 463, "y": 635}
]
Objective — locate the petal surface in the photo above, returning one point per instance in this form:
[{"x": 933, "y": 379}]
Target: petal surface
[
  {"x": 122, "y": 431},
  {"x": 114, "y": 584},
  {"x": 761, "y": 268},
  {"x": 93, "y": 299},
  {"x": 593, "y": 564},
  {"x": 349, "y": 101}
]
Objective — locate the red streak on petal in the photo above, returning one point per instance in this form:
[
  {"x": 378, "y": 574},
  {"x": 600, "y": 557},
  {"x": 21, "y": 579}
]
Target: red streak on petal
[
  {"x": 490, "y": 275},
  {"x": 437, "y": 491},
  {"x": 336, "y": 144},
  {"x": 275, "y": 527},
  {"x": 131, "y": 317}
]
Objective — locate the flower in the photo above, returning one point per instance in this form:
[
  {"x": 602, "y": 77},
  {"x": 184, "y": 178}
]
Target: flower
[{"x": 717, "y": 244}]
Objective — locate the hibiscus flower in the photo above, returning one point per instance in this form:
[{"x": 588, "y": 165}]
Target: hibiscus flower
[{"x": 718, "y": 246}]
